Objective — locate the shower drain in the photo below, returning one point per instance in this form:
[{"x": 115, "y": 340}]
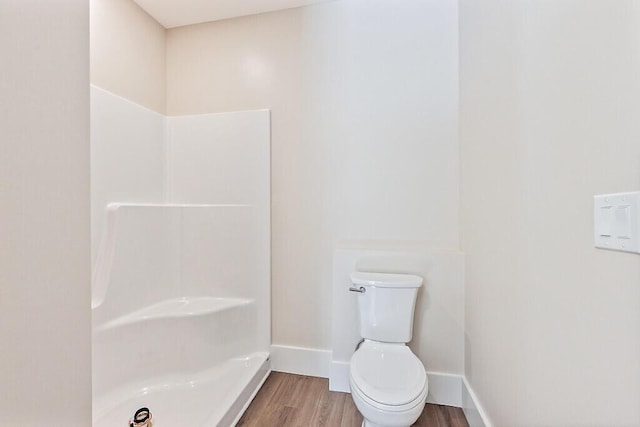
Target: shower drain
[{"x": 142, "y": 418}]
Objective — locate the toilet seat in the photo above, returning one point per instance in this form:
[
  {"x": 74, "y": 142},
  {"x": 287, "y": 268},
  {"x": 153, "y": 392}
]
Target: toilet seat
[
  {"x": 419, "y": 401},
  {"x": 388, "y": 376}
]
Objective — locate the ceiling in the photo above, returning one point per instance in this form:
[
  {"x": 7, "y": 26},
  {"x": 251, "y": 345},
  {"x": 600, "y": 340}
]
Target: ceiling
[{"x": 176, "y": 13}]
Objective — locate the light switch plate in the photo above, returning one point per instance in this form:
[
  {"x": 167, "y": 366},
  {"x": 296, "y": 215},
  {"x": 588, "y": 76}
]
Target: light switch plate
[{"x": 617, "y": 221}]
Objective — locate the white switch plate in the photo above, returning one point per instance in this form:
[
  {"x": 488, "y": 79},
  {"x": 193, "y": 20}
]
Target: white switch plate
[{"x": 616, "y": 220}]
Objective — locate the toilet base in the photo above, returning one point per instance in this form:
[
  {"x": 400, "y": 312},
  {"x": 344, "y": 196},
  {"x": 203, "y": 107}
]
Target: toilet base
[
  {"x": 367, "y": 423},
  {"x": 387, "y": 418}
]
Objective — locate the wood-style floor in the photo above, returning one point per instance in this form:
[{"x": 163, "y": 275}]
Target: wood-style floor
[{"x": 299, "y": 401}]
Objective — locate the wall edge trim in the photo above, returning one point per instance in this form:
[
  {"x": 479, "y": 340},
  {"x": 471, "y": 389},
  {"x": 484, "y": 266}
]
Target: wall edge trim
[{"x": 473, "y": 411}]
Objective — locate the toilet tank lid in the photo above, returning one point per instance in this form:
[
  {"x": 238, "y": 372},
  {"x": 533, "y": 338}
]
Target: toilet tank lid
[{"x": 386, "y": 280}]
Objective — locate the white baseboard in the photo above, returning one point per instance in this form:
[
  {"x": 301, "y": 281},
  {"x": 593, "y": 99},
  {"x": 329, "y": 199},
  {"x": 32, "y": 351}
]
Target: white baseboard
[
  {"x": 299, "y": 360},
  {"x": 339, "y": 377},
  {"x": 476, "y": 417},
  {"x": 444, "y": 389}
]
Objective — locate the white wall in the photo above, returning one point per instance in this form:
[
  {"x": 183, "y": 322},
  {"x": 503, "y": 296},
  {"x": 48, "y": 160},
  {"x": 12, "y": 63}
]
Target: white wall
[
  {"x": 128, "y": 52},
  {"x": 44, "y": 214},
  {"x": 127, "y": 156},
  {"x": 219, "y": 158},
  {"x": 549, "y": 105},
  {"x": 363, "y": 97}
]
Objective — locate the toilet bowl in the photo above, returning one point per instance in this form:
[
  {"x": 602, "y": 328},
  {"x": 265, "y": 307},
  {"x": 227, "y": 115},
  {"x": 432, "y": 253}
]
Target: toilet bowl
[{"x": 388, "y": 382}]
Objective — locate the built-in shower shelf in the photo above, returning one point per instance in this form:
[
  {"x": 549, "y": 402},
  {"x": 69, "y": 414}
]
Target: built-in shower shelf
[
  {"x": 177, "y": 308},
  {"x": 108, "y": 245}
]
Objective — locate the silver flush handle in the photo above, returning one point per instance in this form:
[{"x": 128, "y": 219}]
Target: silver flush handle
[{"x": 360, "y": 290}]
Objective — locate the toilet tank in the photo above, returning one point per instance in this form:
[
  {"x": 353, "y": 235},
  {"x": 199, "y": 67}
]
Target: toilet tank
[{"x": 386, "y": 305}]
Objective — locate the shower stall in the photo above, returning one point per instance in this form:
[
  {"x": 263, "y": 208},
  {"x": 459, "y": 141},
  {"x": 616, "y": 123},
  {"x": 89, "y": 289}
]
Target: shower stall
[{"x": 181, "y": 276}]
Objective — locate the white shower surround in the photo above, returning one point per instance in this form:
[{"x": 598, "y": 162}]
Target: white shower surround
[{"x": 181, "y": 294}]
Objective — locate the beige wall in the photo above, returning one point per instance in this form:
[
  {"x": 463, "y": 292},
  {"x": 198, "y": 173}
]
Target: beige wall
[
  {"x": 364, "y": 131},
  {"x": 550, "y": 96},
  {"x": 45, "y": 319},
  {"x": 128, "y": 52}
]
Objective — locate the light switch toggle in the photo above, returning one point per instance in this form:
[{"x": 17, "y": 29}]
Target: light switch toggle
[
  {"x": 605, "y": 221},
  {"x": 623, "y": 222}
]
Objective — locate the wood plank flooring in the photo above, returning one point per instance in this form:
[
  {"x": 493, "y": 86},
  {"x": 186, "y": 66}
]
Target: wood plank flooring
[{"x": 299, "y": 401}]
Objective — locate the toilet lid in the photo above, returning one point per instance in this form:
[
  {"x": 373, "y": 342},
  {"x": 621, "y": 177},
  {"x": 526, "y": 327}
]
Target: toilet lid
[{"x": 389, "y": 374}]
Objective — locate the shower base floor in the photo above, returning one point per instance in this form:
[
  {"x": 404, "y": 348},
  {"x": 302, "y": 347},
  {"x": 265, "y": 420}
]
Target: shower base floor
[{"x": 215, "y": 397}]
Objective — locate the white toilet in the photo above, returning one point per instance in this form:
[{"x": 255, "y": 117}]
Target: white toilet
[{"x": 388, "y": 382}]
